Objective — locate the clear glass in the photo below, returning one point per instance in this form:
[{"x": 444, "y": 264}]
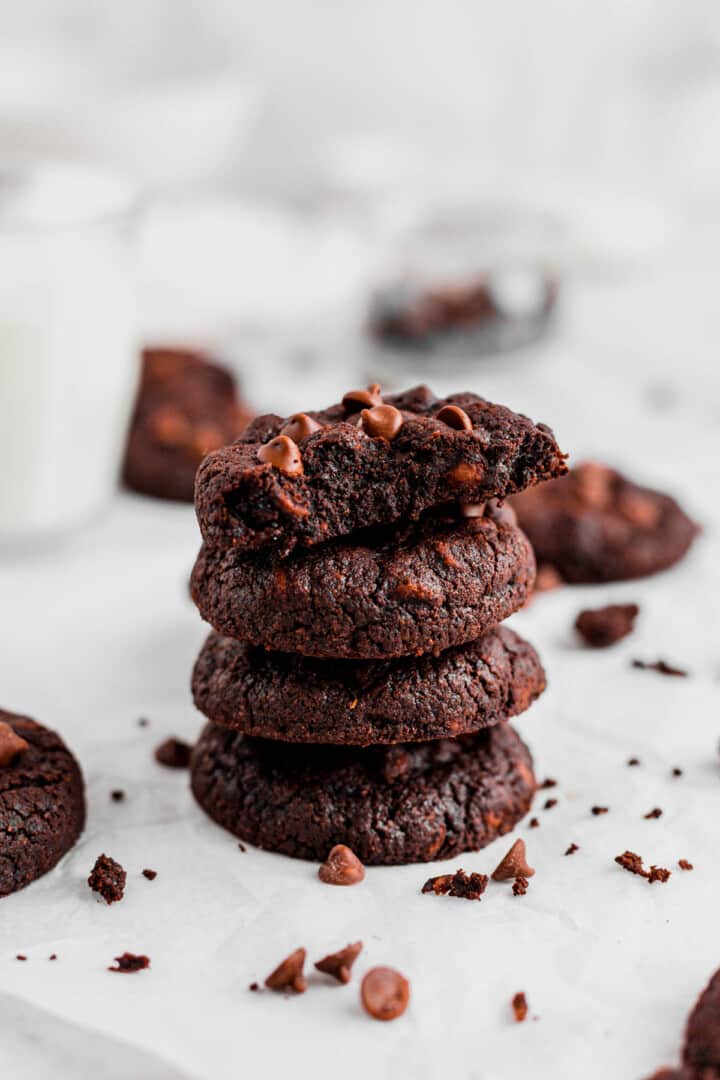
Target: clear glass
[{"x": 68, "y": 343}]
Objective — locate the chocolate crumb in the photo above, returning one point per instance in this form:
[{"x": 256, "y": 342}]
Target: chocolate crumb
[
  {"x": 21, "y": 956},
  {"x": 572, "y": 849},
  {"x": 520, "y": 886},
  {"x": 339, "y": 964},
  {"x": 465, "y": 886},
  {"x": 108, "y": 879},
  {"x": 676, "y": 772},
  {"x": 150, "y": 874},
  {"x": 601, "y": 627},
  {"x": 549, "y": 803},
  {"x": 533, "y": 823},
  {"x": 129, "y": 963},
  {"x": 514, "y": 864},
  {"x": 342, "y": 867},
  {"x": 520, "y": 1007},
  {"x": 547, "y": 783},
  {"x": 656, "y": 812},
  {"x": 631, "y": 862},
  {"x": 118, "y": 795},
  {"x": 254, "y": 987},
  {"x": 658, "y": 873},
  {"x": 288, "y": 975},
  {"x": 633, "y": 761},
  {"x": 143, "y": 721},
  {"x": 242, "y": 847},
  {"x": 384, "y": 993},
  {"x": 685, "y": 865},
  {"x": 52, "y": 956},
  {"x": 597, "y": 810},
  {"x": 661, "y": 666},
  {"x": 173, "y": 753}
]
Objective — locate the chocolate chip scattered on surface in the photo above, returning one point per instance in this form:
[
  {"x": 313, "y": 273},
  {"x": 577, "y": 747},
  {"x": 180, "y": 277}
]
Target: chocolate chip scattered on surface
[
  {"x": 342, "y": 867},
  {"x": 288, "y": 975},
  {"x": 150, "y": 874},
  {"x": 339, "y": 964},
  {"x": 602, "y": 627},
  {"x": 173, "y": 753},
  {"x": 384, "y": 993},
  {"x": 514, "y": 864}
]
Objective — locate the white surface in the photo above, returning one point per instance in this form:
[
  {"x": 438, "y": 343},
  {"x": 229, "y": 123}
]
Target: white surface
[{"x": 102, "y": 632}]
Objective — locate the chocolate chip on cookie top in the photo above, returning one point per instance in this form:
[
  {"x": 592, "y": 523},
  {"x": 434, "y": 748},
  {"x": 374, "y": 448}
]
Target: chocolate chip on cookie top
[
  {"x": 369, "y": 460},
  {"x": 11, "y": 744}
]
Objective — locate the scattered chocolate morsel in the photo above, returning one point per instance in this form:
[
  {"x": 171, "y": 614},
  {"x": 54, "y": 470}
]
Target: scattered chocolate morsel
[
  {"x": 339, "y": 964},
  {"x": 173, "y": 753},
  {"x": 283, "y": 454},
  {"x": 631, "y": 862},
  {"x": 300, "y": 426},
  {"x": 549, "y": 803},
  {"x": 514, "y": 864},
  {"x": 520, "y": 1007},
  {"x": 129, "y": 963},
  {"x": 633, "y": 761},
  {"x": 656, "y": 812},
  {"x": 118, "y": 795},
  {"x": 685, "y": 865},
  {"x": 382, "y": 421},
  {"x": 288, "y": 975},
  {"x": 455, "y": 418},
  {"x": 11, "y": 745},
  {"x": 660, "y": 666},
  {"x": 465, "y": 886},
  {"x": 242, "y": 846},
  {"x": 547, "y": 578},
  {"x": 384, "y": 993},
  {"x": 52, "y": 956},
  {"x": 150, "y": 874},
  {"x": 108, "y": 879},
  {"x": 21, "y": 956},
  {"x": 601, "y": 627},
  {"x": 342, "y": 867},
  {"x": 598, "y": 810},
  {"x": 254, "y": 987},
  {"x": 677, "y": 772},
  {"x": 547, "y": 783},
  {"x": 355, "y": 400},
  {"x": 658, "y": 873},
  {"x": 572, "y": 849},
  {"x": 533, "y": 823},
  {"x": 520, "y": 886}
]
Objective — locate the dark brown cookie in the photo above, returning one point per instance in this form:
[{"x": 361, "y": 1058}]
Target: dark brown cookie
[
  {"x": 42, "y": 805},
  {"x": 390, "y": 805},
  {"x": 595, "y": 525},
  {"x": 440, "y": 583},
  {"x": 298, "y": 699},
  {"x": 322, "y": 475},
  {"x": 702, "y": 1037},
  {"x": 186, "y": 406}
]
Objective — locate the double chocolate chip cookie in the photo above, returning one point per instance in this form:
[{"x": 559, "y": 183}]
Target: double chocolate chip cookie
[
  {"x": 391, "y": 805},
  {"x": 595, "y": 525},
  {"x": 42, "y": 801},
  {"x": 186, "y": 406}
]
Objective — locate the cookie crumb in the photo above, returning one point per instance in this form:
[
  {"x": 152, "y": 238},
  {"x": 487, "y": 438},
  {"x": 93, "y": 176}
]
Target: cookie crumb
[
  {"x": 661, "y": 666},
  {"x": 108, "y": 879},
  {"x": 656, "y": 812},
  {"x": 129, "y": 963},
  {"x": 21, "y": 956},
  {"x": 520, "y": 886},
  {"x": 342, "y": 867},
  {"x": 339, "y": 964},
  {"x": 633, "y": 863},
  {"x": 143, "y": 721},
  {"x": 572, "y": 849},
  {"x": 465, "y": 886},
  {"x": 242, "y": 847},
  {"x": 254, "y": 987},
  {"x": 533, "y": 823},
  {"x": 676, "y": 772},
  {"x": 150, "y": 874},
  {"x": 384, "y": 993},
  {"x": 633, "y": 761},
  {"x": 288, "y": 975},
  {"x": 598, "y": 810},
  {"x": 52, "y": 956},
  {"x": 549, "y": 803},
  {"x": 658, "y": 873},
  {"x": 685, "y": 865},
  {"x": 173, "y": 753},
  {"x": 520, "y": 1007},
  {"x": 601, "y": 627},
  {"x": 118, "y": 795},
  {"x": 514, "y": 864},
  {"x": 547, "y": 783}
]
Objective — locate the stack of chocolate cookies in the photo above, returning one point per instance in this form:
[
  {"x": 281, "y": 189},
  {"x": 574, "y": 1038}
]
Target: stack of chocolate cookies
[{"x": 355, "y": 568}]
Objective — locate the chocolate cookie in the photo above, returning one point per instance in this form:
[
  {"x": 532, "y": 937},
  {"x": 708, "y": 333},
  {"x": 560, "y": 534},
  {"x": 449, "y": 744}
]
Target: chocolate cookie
[
  {"x": 42, "y": 802},
  {"x": 186, "y": 406},
  {"x": 701, "y": 1054},
  {"x": 595, "y": 525},
  {"x": 390, "y": 805},
  {"x": 297, "y": 699},
  {"x": 367, "y": 461},
  {"x": 438, "y": 583}
]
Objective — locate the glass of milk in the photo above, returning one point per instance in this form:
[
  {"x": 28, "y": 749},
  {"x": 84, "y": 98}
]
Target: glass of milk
[{"x": 68, "y": 343}]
